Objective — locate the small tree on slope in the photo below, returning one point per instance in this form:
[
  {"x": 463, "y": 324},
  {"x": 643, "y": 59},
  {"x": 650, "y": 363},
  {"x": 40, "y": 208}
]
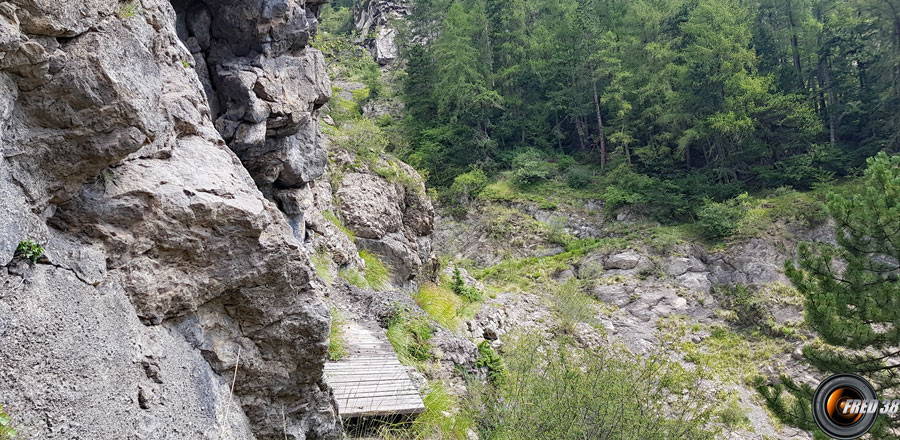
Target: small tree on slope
[{"x": 852, "y": 296}]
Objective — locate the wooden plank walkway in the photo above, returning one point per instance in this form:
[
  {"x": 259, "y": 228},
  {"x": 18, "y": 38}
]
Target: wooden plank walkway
[{"x": 371, "y": 381}]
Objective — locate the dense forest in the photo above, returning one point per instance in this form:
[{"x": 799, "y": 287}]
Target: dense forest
[{"x": 664, "y": 102}]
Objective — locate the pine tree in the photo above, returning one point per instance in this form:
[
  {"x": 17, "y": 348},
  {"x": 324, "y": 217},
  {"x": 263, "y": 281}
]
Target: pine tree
[{"x": 852, "y": 293}]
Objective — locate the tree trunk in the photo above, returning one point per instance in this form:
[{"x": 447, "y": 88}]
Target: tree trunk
[
  {"x": 795, "y": 47},
  {"x": 599, "y": 126},
  {"x": 829, "y": 91},
  {"x": 580, "y": 130}
]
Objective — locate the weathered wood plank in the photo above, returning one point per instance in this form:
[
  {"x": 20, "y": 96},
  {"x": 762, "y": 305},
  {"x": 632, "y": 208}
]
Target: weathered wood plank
[{"x": 371, "y": 380}]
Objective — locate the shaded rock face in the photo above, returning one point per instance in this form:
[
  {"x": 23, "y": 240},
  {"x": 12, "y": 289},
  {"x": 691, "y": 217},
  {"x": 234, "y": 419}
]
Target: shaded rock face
[
  {"x": 373, "y": 20},
  {"x": 264, "y": 85},
  {"x": 167, "y": 266}
]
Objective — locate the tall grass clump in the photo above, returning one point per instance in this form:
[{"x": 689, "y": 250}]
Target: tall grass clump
[
  {"x": 377, "y": 274},
  {"x": 337, "y": 349},
  {"x": 410, "y": 336},
  {"x": 555, "y": 391},
  {"x": 441, "y": 304}
]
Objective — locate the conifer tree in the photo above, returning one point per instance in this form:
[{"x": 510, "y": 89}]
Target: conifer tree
[{"x": 852, "y": 293}]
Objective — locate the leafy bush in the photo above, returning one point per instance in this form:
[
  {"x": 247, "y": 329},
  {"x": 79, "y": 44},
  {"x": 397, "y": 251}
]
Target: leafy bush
[
  {"x": 530, "y": 166},
  {"x": 489, "y": 359},
  {"x": 467, "y": 186},
  {"x": 330, "y": 216},
  {"x": 750, "y": 309},
  {"x": 566, "y": 393},
  {"x": 352, "y": 276},
  {"x": 377, "y": 274},
  {"x": 30, "y": 251},
  {"x": 717, "y": 220},
  {"x": 578, "y": 177},
  {"x": 364, "y": 138}
]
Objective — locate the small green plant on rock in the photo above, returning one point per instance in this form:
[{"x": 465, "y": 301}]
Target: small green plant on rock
[
  {"x": 468, "y": 293},
  {"x": 489, "y": 359},
  {"x": 127, "y": 10},
  {"x": 30, "y": 250},
  {"x": 7, "y": 432}
]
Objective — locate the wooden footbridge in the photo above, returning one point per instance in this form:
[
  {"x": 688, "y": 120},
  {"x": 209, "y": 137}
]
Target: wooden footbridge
[{"x": 371, "y": 381}]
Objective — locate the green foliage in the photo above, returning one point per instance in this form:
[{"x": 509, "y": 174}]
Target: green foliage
[
  {"x": 409, "y": 335},
  {"x": 353, "y": 276},
  {"x": 322, "y": 263},
  {"x": 467, "y": 293},
  {"x": 337, "y": 340},
  {"x": 467, "y": 186},
  {"x": 572, "y": 306},
  {"x": 718, "y": 220},
  {"x": 530, "y": 166},
  {"x": 441, "y": 304},
  {"x": 30, "y": 251},
  {"x": 854, "y": 308},
  {"x": 578, "y": 177},
  {"x": 750, "y": 310},
  {"x": 489, "y": 359},
  {"x": 566, "y": 393},
  {"x": 364, "y": 138},
  {"x": 7, "y": 432},
  {"x": 694, "y": 100},
  {"x": 128, "y": 9},
  {"x": 377, "y": 274}
]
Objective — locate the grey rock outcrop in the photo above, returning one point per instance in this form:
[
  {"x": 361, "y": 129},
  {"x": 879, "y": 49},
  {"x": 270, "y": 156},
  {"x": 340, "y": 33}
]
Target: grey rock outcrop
[
  {"x": 166, "y": 266},
  {"x": 373, "y": 19}
]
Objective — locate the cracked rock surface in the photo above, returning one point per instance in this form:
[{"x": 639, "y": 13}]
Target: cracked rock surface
[{"x": 142, "y": 144}]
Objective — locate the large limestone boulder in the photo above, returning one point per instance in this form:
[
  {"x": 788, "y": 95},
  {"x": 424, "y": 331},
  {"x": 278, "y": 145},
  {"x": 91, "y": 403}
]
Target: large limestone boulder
[
  {"x": 371, "y": 206},
  {"x": 166, "y": 266}
]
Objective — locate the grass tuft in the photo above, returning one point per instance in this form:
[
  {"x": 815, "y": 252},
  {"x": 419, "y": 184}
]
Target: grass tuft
[
  {"x": 337, "y": 340},
  {"x": 441, "y": 304},
  {"x": 377, "y": 274}
]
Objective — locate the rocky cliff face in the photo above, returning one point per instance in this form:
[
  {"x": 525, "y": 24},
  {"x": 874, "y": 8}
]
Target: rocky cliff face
[
  {"x": 165, "y": 154},
  {"x": 373, "y": 19}
]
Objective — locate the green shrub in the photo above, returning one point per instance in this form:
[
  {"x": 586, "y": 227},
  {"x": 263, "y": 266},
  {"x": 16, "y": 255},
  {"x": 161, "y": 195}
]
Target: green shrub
[
  {"x": 30, "y": 251},
  {"x": 322, "y": 263},
  {"x": 568, "y": 393},
  {"x": 578, "y": 177},
  {"x": 467, "y": 186},
  {"x": 717, "y": 220},
  {"x": 337, "y": 341},
  {"x": 469, "y": 294},
  {"x": 530, "y": 166},
  {"x": 489, "y": 359},
  {"x": 364, "y": 138},
  {"x": 750, "y": 309},
  {"x": 377, "y": 274}
]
